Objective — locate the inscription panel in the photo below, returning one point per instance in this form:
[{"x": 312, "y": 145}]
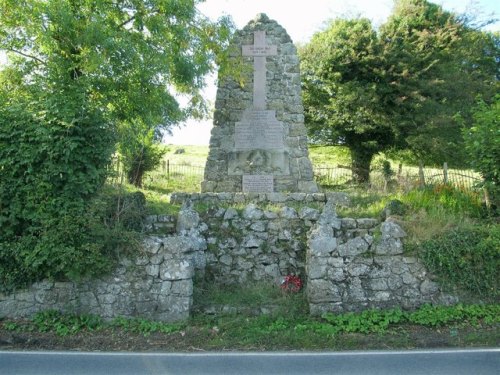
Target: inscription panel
[
  {"x": 253, "y": 183},
  {"x": 252, "y": 50},
  {"x": 258, "y": 129}
]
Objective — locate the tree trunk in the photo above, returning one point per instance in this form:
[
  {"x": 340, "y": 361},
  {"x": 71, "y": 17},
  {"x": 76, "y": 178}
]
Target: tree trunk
[
  {"x": 361, "y": 160},
  {"x": 135, "y": 176},
  {"x": 136, "y": 171}
]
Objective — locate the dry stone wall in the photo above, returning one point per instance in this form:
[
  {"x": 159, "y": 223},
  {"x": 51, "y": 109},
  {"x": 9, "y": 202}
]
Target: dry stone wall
[
  {"x": 347, "y": 264},
  {"x": 156, "y": 285},
  {"x": 354, "y": 264},
  {"x": 255, "y": 237},
  {"x": 253, "y": 244}
]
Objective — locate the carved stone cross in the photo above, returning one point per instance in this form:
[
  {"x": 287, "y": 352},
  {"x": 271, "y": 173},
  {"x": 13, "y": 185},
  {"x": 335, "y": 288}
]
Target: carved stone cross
[{"x": 259, "y": 50}]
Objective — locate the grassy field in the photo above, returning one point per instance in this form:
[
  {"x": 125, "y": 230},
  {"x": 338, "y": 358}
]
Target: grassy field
[
  {"x": 197, "y": 155},
  {"x": 187, "y": 155},
  {"x": 182, "y": 170}
]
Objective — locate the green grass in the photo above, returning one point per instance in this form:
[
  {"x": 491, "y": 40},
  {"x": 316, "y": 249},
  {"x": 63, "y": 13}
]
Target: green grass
[
  {"x": 329, "y": 155},
  {"x": 435, "y": 210},
  {"x": 157, "y": 200},
  {"x": 160, "y": 183}
]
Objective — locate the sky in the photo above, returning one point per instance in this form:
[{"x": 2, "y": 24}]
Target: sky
[{"x": 301, "y": 19}]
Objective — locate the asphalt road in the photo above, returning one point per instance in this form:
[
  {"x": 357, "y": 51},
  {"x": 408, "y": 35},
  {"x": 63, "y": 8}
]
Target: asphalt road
[{"x": 456, "y": 362}]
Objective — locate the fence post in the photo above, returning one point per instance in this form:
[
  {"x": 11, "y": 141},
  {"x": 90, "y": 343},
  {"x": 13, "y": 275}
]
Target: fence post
[
  {"x": 118, "y": 172},
  {"x": 421, "y": 176},
  {"x": 445, "y": 172},
  {"x": 487, "y": 200}
]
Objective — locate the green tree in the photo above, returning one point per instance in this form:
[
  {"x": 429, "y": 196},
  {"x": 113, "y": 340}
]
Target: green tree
[
  {"x": 399, "y": 89},
  {"x": 80, "y": 70},
  {"x": 341, "y": 72},
  {"x": 435, "y": 64},
  {"x": 482, "y": 142}
]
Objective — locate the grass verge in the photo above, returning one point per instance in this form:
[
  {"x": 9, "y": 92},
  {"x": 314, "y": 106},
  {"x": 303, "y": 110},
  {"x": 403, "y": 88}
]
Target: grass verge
[{"x": 430, "y": 326}]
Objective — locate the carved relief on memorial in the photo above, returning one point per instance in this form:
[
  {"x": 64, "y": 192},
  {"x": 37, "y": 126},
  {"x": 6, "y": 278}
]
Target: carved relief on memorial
[{"x": 259, "y": 162}]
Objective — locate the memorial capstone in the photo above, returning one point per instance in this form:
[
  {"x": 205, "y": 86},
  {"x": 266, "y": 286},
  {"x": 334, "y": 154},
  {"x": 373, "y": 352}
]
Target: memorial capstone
[{"x": 258, "y": 142}]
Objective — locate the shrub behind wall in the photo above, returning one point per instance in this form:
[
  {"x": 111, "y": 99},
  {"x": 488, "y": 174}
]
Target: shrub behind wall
[{"x": 467, "y": 257}]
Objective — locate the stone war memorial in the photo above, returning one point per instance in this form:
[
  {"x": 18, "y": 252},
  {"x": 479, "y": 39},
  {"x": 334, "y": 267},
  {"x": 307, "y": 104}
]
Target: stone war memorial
[
  {"x": 258, "y": 142},
  {"x": 259, "y": 218}
]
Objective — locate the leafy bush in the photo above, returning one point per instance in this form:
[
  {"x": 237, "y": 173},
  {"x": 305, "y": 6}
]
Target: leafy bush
[
  {"x": 466, "y": 257},
  {"x": 53, "y": 159}
]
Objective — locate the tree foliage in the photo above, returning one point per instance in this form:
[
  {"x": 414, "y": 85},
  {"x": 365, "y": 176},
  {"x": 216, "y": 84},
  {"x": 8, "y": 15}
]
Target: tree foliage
[
  {"x": 436, "y": 66},
  {"x": 341, "y": 99},
  {"x": 81, "y": 75},
  {"x": 398, "y": 88},
  {"x": 482, "y": 142}
]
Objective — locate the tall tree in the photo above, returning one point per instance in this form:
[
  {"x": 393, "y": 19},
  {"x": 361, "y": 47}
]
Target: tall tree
[
  {"x": 398, "y": 89},
  {"x": 341, "y": 72},
  {"x": 436, "y": 65},
  {"x": 78, "y": 71}
]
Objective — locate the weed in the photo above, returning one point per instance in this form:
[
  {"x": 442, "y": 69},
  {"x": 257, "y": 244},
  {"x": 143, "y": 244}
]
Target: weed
[
  {"x": 438, "y": 316},
  {"x": 370, "y": 321},
  {"x": 329, "y": 155},
  {"x": 247, "y": 297},
  {"x": 65, "y": 324},
  {"x": 12, "y": 326},
  {"x": 144, "y": 326}
]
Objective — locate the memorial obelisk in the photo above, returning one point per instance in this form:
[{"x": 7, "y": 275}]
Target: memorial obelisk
[{"x": 258, "y": 142}]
